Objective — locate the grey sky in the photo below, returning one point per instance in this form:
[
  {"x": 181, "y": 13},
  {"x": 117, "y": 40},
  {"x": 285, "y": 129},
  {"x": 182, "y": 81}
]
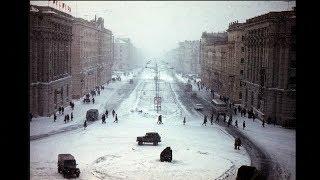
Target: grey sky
[{"x": 157, "y": 26}]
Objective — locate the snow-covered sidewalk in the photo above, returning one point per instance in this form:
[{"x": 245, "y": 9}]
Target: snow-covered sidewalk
[
  {"x": 107, "y": 99},
  {"x": 279, "y": 143}
]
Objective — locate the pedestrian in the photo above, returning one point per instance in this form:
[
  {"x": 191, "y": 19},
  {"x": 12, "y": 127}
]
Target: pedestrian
[
  {"x": 113, "y": 112},
  {"x": 211, "y": 119},
  {"x": 107, "y": 112},
  {"x": 230, "y": 121},
  {"x": 244, "y": 112},
  {"x": 98, "y": 92},
  {"x": 235, "y": 111},
  {"x": 236, "y": 123},
  {"x": 72, "y": 106},
  {"x": 59, "y": 109},
  {"x": 65, "y": 119},
  {"x": 253, "y": 117},
  {"x": 244, "y": 124},
  {"x": 217, "y": 118},
  {"x": 159, "y": 119},
  {"x": 54, "y": 117},
  {"x": 205, "y": 120},
  {"x": 237, "y": 144},
  {"x": 71, "y": 116},
  {"x": 263, "y": 122},
  {"x": 93, "y": 100},
  {"x": 62, "y": 109},
  {"x": 68, "y": 117},
  {"x": 116, "y": 119},
  {"x": 85, "y": 124},
  {"x": 239, "y": 108},
  {"x": 184, "y": 121},
  {"x": 224, "y": 117},
  {"x": 103, "y": 118}
]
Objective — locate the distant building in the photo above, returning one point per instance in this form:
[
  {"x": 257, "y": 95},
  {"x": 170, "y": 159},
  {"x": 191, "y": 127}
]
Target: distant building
[
  {"x": 50, "y": 59},
  {"x": 92, "y": 55},
  {"x": 188, "y": 57},
  {"x": 122, "y": 54},
  {"x": 269, "y": 84}
]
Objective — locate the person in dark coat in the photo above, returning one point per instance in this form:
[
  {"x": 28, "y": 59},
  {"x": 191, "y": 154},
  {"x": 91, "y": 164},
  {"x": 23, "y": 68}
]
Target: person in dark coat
[
  {"x": 244, "y": 124},
  {"x": 253, "y": 117},
  {"x": 62, "y": 110},
  {"x": 98, "y": 92},
  {"x": 54, "y": 117},
  {"x": 235, "y": 111},
  {"x": 59, "y": 109},
  {"x": 72, "y": 106},
  {"x": 184, "y": 121},
  {"x": 239, "y": 108},
  {"x": 71, "y": 116},
  {"x": 113, "y": 113},
  {"x": 92, "y": 100},
  {"x": 103, "y": 118},
  {"x": 263, "y": 122},
  {"x": 107, "y": 112},
  {"x": 116, "y": 119},
  {"x": 65, "y": 119},
  {"x": 237, "y": 143},
  {"x": 236, "y": 123},
  {"x": 217, "y": 118},
  {"x": 68, "y": 117},
  {"x": 85, "y": 124},
  {"x": 211, "y": 119},
  {"x": 205, "y": 120},
  {"x": 230, "y": 121},
  {"x": 244, "y": 112}
]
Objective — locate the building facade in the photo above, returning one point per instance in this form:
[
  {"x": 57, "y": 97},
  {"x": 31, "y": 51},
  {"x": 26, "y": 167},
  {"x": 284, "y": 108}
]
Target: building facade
[
  {"x": 50, "y": 60},
  {"x": 92, "y": 54},
  {"x": 122, "y": 54},
  {"x": 269, "y": 84}
]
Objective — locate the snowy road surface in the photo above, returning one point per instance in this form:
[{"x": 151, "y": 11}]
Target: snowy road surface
[
  {"x": 110, "y": 151},
  {"x": 271, "y": 148}
]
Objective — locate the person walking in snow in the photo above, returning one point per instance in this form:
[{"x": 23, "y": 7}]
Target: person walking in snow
[
  {"x": 253, "y": 117},
  {"x": 205, "y": 120},
  {"x": 244, "y": 124},
  {"x": 235, "y": 111},
  {"x": 93, "y": 100},
  {"x": 54, "y": 117},
  {"x": 71, "y": 116},
  {"x": 236, "y": 123},
  {"x": 116, "y": 119},
  {"x": 211, "y": 119},
  {"x": 263, "y": 122},
  {"x": 107, "y": 112},
  {"x": 59, "y": 109},
  {"x": 237, "y": 143},
  {"x": 184, "y": 121},
  {"x": 99, "y": 92},
  {"x": 85, "y": 124},
  {"x": 65, "y": 119},
  {"x": 62, "y": 109},
  {"x": 230, "y": 121},
  {"x": 103, "y": 118},
  {"x": 113, "y": 112}
]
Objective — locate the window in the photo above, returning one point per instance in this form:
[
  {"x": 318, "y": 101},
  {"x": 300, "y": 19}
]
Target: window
[
  {"x": 242, "y": 38},
  {"x": 241, "y": 72},
  {"x": 242, "y": 60},
  {"x": 240, "y": 95},
  {"x": 252, "y": 96},
  {"x": 242, "y": 49}
]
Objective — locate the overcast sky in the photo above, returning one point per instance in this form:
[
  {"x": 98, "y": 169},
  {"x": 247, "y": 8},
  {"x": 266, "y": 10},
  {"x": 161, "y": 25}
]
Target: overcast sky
[{"x": 157, "y": 26}]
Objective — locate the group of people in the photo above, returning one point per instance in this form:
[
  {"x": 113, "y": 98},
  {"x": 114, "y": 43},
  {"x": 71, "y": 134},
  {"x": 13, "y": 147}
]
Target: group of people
[
  {"x": 93, "y": 93},
  {"x": 104, "y": 117},
  {"x": 67, "y": 117}
]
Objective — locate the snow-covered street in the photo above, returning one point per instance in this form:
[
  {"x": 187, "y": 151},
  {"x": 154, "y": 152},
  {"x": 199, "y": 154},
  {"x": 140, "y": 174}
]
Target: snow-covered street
[{"x": 110, "y": 151}]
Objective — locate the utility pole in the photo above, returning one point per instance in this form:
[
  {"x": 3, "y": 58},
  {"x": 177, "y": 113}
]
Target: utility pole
[{"x": 157, "y": 99}]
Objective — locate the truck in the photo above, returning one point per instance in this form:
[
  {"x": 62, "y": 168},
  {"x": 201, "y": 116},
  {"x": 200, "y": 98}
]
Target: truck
[
  {"x": 150, "y": 137},
  {"x": 219, "y": 107},
  {"x": 67, "y": 165}
]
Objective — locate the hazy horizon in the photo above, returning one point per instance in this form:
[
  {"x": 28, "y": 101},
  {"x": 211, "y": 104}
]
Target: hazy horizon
[{"x": 157, "y": 26}]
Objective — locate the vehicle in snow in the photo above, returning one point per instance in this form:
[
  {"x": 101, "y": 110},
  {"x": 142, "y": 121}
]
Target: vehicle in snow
[
  {"x": 92, "y": 115},
  {"x": 219, "y": 107},
  {"x": 150, "y": 137},
  {"x": 131, "y": 81},
  {"x": 166, "y": 155},
  {"x": 198, "y": 107},
  {"x": 67, "y": 165},
  {"x": 249, "y": 172}
]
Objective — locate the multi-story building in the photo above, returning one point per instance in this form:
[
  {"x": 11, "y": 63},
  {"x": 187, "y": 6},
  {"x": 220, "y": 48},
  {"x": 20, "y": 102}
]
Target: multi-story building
[
  {"x": 213, "y": 47},
  {"x": 122, "y": 54},
  {"x": 269, "y": 85},
  {"x": 235, "y": 62},
  {"x": 91, "y": 55},
  {"x": 50, "y": 59},
  {"x": 188, "y": 61}
]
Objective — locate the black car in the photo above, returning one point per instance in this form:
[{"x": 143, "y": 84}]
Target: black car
[
  {"x": 67, "y": 165},
  {"x": 166, "y": 155},
  {"x": 150, "y": 137}
]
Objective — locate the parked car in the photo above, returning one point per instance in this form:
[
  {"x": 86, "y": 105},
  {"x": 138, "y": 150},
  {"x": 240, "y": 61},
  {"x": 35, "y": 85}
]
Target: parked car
[
  {"x": 150, "y": 137},
  {"x": 198, "y": 107},
  {"x": 92, "y": 115},
  {"x": 219, "y": 107},
  {"x": 166, "y": 155},
  {"x": 67, "y": 165}
]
